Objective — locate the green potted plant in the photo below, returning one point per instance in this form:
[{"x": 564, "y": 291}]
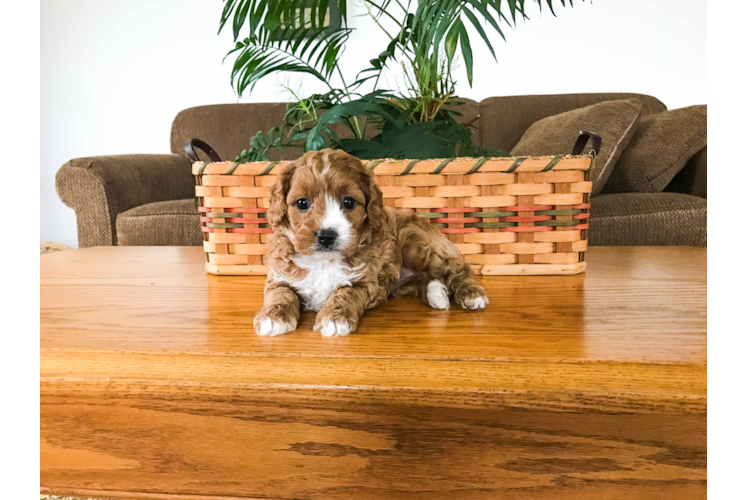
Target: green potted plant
[{"x": 418, "y": 122}]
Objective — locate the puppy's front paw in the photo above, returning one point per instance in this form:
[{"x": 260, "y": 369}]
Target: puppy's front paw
[
  {"x": 333, "y": 323},
  {"x": 334, "y": 328},
  {"x": 437, "y": 295},
  {"x": 473, "y": 297},
  {"x": 274, "y": 322}
]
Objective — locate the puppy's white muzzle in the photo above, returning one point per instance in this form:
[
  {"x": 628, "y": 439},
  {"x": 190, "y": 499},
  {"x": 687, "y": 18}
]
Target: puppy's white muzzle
[{"x": 335, "y": 230}]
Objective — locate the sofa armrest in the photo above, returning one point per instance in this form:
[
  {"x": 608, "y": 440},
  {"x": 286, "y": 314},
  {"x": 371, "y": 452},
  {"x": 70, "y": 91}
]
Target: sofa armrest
[
  {"x": 99, "y": 188},
  {"x": 692, "y": 179}
]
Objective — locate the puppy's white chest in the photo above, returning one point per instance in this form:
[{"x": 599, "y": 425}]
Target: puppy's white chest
[{"x": 324, "y": 275}]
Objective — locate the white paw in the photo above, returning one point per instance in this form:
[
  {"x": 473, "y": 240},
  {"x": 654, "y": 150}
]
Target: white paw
[
  {"x": 437, "y": 295},
  {"x": 270, "y": 328},
  {"x": 475, "y": 303},
  {"x": 335, "y": 328}
]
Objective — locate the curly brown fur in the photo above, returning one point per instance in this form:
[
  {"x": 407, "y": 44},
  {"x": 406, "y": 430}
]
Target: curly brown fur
[{"x": 337, "y": 250}]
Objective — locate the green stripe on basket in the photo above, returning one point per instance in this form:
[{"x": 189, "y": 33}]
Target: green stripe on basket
[
  {"x": 552, "y": 163},
  {"x": 559, "y": 212},
  {"x": 491, "y": 225},
  {"x": 232, "y": 168},
  {"x": 374, "y": 163},
  {"x": 478, "y": 164},
  {"x": 516, "y": 164},
  {"x": 221, "y": 215},
  {"x": 223, "y": 225},
  {"x": 230, "y": 225},
  {"x": 441, "y": 166},
  {"x": 490, "y": 214},
  {"x": 432, "y": 215},
  {"x": 269, "y": 168},
  {"x": 439, "y": 224},
  {"x": 557, "y": 223},
  {"x": 409, "y": 167}
]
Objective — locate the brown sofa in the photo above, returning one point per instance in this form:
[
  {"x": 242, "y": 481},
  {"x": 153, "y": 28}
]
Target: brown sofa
[{"x": 148, "y": 199}]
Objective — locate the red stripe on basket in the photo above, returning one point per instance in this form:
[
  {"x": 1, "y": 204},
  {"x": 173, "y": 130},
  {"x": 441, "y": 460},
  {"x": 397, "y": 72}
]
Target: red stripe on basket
[
  {"x": 455, "y": 230},
  {"x": 526, "y": 208},
  {"x": 456, "y": 220},
  {"x": 234, "y": 210},
  {"x": 525, "y": 218},
  {"x": 247, "y": 221},
  {"x": 531, "y": 229},
  {"x": 581, "y": 216},
  {"x": 456, "y": 210},
  {"x": 247, "y": 210},
  {"x": 581, "y": 206},
  {"x": 251, "y": 230},
  {"x": 581, "y": 226},
  {"x": 206, "y": 219}
]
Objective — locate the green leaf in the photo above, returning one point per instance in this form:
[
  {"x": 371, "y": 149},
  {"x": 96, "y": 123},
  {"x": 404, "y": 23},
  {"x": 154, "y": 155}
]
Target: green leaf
[
  {"x": 483, "y": 10},
  {"x": 299, "y": 136},
  {"x": 450, "y": 43},
  {"x": 467, "y": 54},
  {"x": 227, "y": 9},
  {"x": 480, "y": 31},
  {"x": 241, "y": 14}
]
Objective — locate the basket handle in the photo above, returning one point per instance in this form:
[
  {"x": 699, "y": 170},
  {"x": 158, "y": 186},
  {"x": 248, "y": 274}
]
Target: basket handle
[
  {"x": 583, "y": 139},
  {"x": 189, "y": 149}
]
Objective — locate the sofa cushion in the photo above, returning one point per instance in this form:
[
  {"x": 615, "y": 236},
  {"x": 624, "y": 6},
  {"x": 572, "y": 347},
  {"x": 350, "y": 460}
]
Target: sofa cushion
[
  {"x": 174, "y": 222},
  {"x": 659, "y": 149},
  {"x": 504, "y": 119},
  {"x": 614, "y": 121},
  {"x": 630, "y": 219}
]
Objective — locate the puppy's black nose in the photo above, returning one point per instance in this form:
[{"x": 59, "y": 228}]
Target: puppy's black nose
[{"x": 326, "y": 237}]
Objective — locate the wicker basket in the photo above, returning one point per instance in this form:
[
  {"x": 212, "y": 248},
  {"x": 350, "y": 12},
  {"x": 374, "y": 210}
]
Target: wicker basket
[{"x": 508, "y": 216}]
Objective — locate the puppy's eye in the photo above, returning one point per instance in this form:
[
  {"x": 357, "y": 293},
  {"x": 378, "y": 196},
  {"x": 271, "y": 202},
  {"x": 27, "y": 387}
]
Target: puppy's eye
[
  {"x": 302, "y": 204},
  {"x": 349, "y": 203}
]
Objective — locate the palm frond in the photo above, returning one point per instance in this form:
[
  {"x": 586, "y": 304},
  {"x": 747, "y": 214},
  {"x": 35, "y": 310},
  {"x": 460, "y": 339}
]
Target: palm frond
[
  {"x": 311, "y": 51},
  {"x": 275, "y": 14}
]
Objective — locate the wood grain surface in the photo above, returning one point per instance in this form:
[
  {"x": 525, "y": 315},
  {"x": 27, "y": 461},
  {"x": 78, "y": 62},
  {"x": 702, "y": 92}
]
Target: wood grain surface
[{"x": 153, "y": 385}]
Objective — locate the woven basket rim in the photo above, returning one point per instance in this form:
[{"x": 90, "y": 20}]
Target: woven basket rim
[
  {"x": 444, "y": 166},
  {"x": 395, "y": 160}
]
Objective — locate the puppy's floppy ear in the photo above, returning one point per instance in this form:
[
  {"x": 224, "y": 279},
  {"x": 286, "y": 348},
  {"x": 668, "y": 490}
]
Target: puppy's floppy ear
[
  {"x": 374, "y": 205},
  {"x": 278, "y": 210}
]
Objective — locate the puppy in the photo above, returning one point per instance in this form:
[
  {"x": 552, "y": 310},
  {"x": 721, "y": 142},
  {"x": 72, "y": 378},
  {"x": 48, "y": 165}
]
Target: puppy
[{"x": 337, "y": 250}]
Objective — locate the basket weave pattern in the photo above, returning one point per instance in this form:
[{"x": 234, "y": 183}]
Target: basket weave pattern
[{"x": 507, "y": 216}]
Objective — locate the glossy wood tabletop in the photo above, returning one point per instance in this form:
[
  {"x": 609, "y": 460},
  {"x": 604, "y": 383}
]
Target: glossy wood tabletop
[{"x": 154, "y": 385}]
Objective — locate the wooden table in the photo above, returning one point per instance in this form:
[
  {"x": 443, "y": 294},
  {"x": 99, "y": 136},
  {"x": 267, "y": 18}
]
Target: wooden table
[{"x": 154, "y": 385}]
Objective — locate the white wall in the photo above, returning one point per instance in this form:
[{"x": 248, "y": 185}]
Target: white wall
[{"x": 114, "y": 74}]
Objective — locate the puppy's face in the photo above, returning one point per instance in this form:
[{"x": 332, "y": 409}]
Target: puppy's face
[{"x": 326, "y": 203}]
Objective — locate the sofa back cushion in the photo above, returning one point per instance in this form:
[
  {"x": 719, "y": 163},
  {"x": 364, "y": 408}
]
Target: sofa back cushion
[
  {"x": 614, "y": 121},
  {"x": 503, "y": 120},
  {"x": 227, "y": 127},
  {"x": 661, "y": 146}
]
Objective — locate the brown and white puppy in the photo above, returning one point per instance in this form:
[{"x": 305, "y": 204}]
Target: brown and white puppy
[{"x": 337, "y": 250}]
